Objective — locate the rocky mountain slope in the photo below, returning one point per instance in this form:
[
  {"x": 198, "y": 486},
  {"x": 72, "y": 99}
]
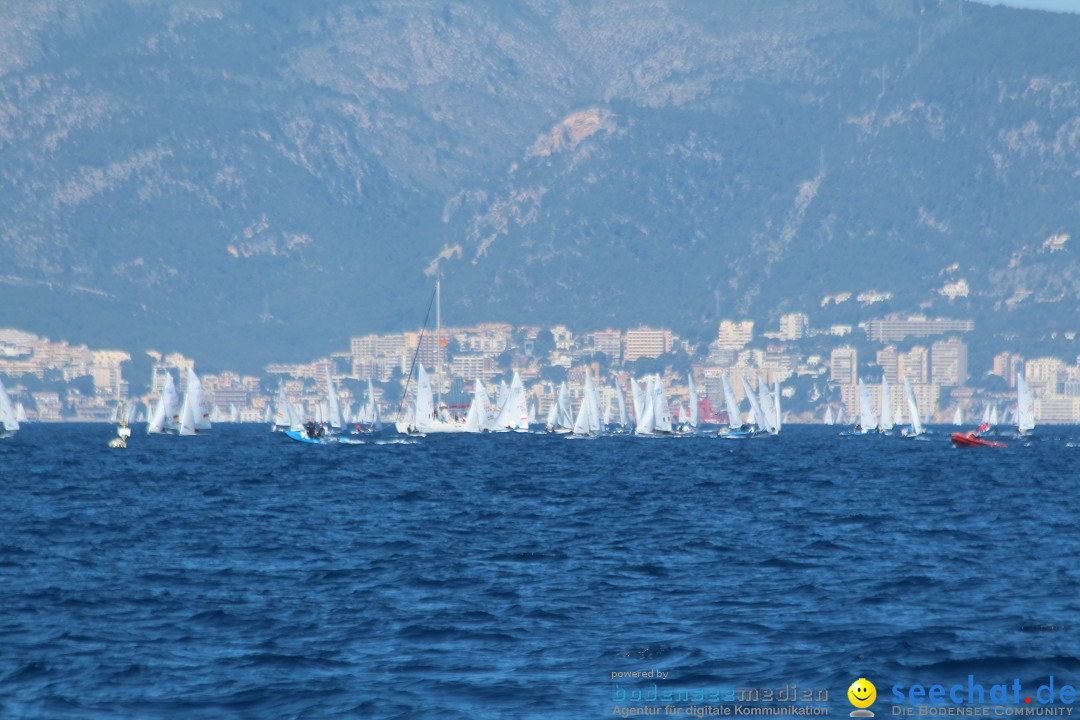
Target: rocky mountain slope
[{"x": 250, "y": 181}]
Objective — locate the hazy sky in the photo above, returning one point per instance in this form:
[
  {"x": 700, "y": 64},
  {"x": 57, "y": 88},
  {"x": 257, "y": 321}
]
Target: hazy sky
[{"x": 1055, "y": 5}]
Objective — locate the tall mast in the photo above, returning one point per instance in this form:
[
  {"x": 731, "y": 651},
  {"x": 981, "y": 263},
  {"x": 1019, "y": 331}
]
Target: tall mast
[{"x": 438, "y": 346}]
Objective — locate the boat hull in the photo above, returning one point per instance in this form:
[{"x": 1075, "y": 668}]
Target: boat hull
[
  {"x": 969, "y": 440},
  {"x": 301, "y": 436}
]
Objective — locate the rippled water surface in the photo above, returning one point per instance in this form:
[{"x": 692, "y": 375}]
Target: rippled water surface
[{"x": 239, "y": 574}]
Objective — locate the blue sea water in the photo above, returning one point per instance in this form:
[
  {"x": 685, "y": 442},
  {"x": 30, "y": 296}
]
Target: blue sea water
[{"x": 239, "y": 574}]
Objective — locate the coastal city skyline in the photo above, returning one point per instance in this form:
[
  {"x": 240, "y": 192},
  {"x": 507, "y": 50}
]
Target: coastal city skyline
[{"x": 818, "y": 368}]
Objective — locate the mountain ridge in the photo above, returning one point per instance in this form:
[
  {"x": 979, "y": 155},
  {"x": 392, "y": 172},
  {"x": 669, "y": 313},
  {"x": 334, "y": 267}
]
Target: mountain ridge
[{"x": 174, "y": 175}]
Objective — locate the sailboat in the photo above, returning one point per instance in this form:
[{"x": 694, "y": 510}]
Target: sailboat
[
  {"x": 123, "y": 416},
  {"x": 194, "y": 415},
  {"x": 737, "y": 429},
  {"x": 9, "y": 422},
  {"x": 958, "y": 417},
  {"x": 760, "y": 419},
  {"x": 624, "y": 422},
  {"x": 993, "y": 415},
  {"x": 480, "y": 418},
  {"x": 779, "y": 419},
  {"x": 658, "y": 404},
  {"x": 164, "y": 417},
  {"x": 867, "y": 421},
  {"x": 559, "y": 420},
  {"x": 20, "y": 413},
  {"x": 423, "y": 408},
  {"x": 885, "y": 416},
  {"x": 1025, "y": 412},
  {"x": 828, "y": 418},
  {"x": 588, "y": 421},
  {"x": 646, "y": 417},
  {"x": 425, "y": 415},
  {"x": 688, "y": 420},
  {"x": 368, "y": 418},
  {"x": 514, "y": 413},
  {"x": 284, "y": 415},
  {"x": 916, "y": 427},
  {"x": 638, "y": 400}
]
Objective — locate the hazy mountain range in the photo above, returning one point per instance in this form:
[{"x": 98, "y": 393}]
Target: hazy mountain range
[{"x": 248, "y": 181}]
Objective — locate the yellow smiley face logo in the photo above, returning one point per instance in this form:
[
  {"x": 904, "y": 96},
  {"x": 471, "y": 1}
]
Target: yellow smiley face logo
[{"x": 862, "y": 693}]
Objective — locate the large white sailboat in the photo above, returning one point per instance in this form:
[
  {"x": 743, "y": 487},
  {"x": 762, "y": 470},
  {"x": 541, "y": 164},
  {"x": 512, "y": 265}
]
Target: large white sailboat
[{"x": 427, "y": 416}]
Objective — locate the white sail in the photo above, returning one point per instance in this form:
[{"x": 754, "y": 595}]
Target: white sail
[
  {"x": 584, "y": 422},
  {"x": 695, "y": 410},
  {"x": 886, "y": 411},
  {"x": 776, "y": 402},
  {"x": 913, "y": 409},
  {"x": 425, "y": 404},
  {"x": 187, "y": 415},
  {"x": 191, "y": 412},
  {"x": 234, "y": 413},
  {"x": 734, "y": 416},
  {"x": 828, "y": 419},
  {"x": 20, "y": 413},
  {"x": 638, "y": 400},
  {"x": 596, "y": 422},
  {"x": 683, "y": 415},
  {"x": 371, "y": 409},
  {"x": 958, "y": 417},
  {"x": 986, "y": 414},
  {"x": 646, "y": 420},
  {"x": 552, "y": 422},
  {"x": 8, "y": 418},
  {"x": 840, "y": 416},
  {"x": 283, "y": 416},
  {"x": 662, "y": 421},
  {"x": 514, "y": 414},
  {"x": 993, "y": 415},
  {"x": 1025, "y": 412},
  {"x": 755, "y": 406},
  {"x": 200, "y": 408},
  {"x": 623, "y": 420},
  {"x": 565, "y": 420},
  {"x": 866, "y": 409},
  {"x": 765, "y": 401},
  {"x": 164, "y": 417},
  {"x": 332, "y": 405},
  {"x": 476, "y": 419},
  {"x": 898, "y": 416},
  {"x": 128, "y": 415}
]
